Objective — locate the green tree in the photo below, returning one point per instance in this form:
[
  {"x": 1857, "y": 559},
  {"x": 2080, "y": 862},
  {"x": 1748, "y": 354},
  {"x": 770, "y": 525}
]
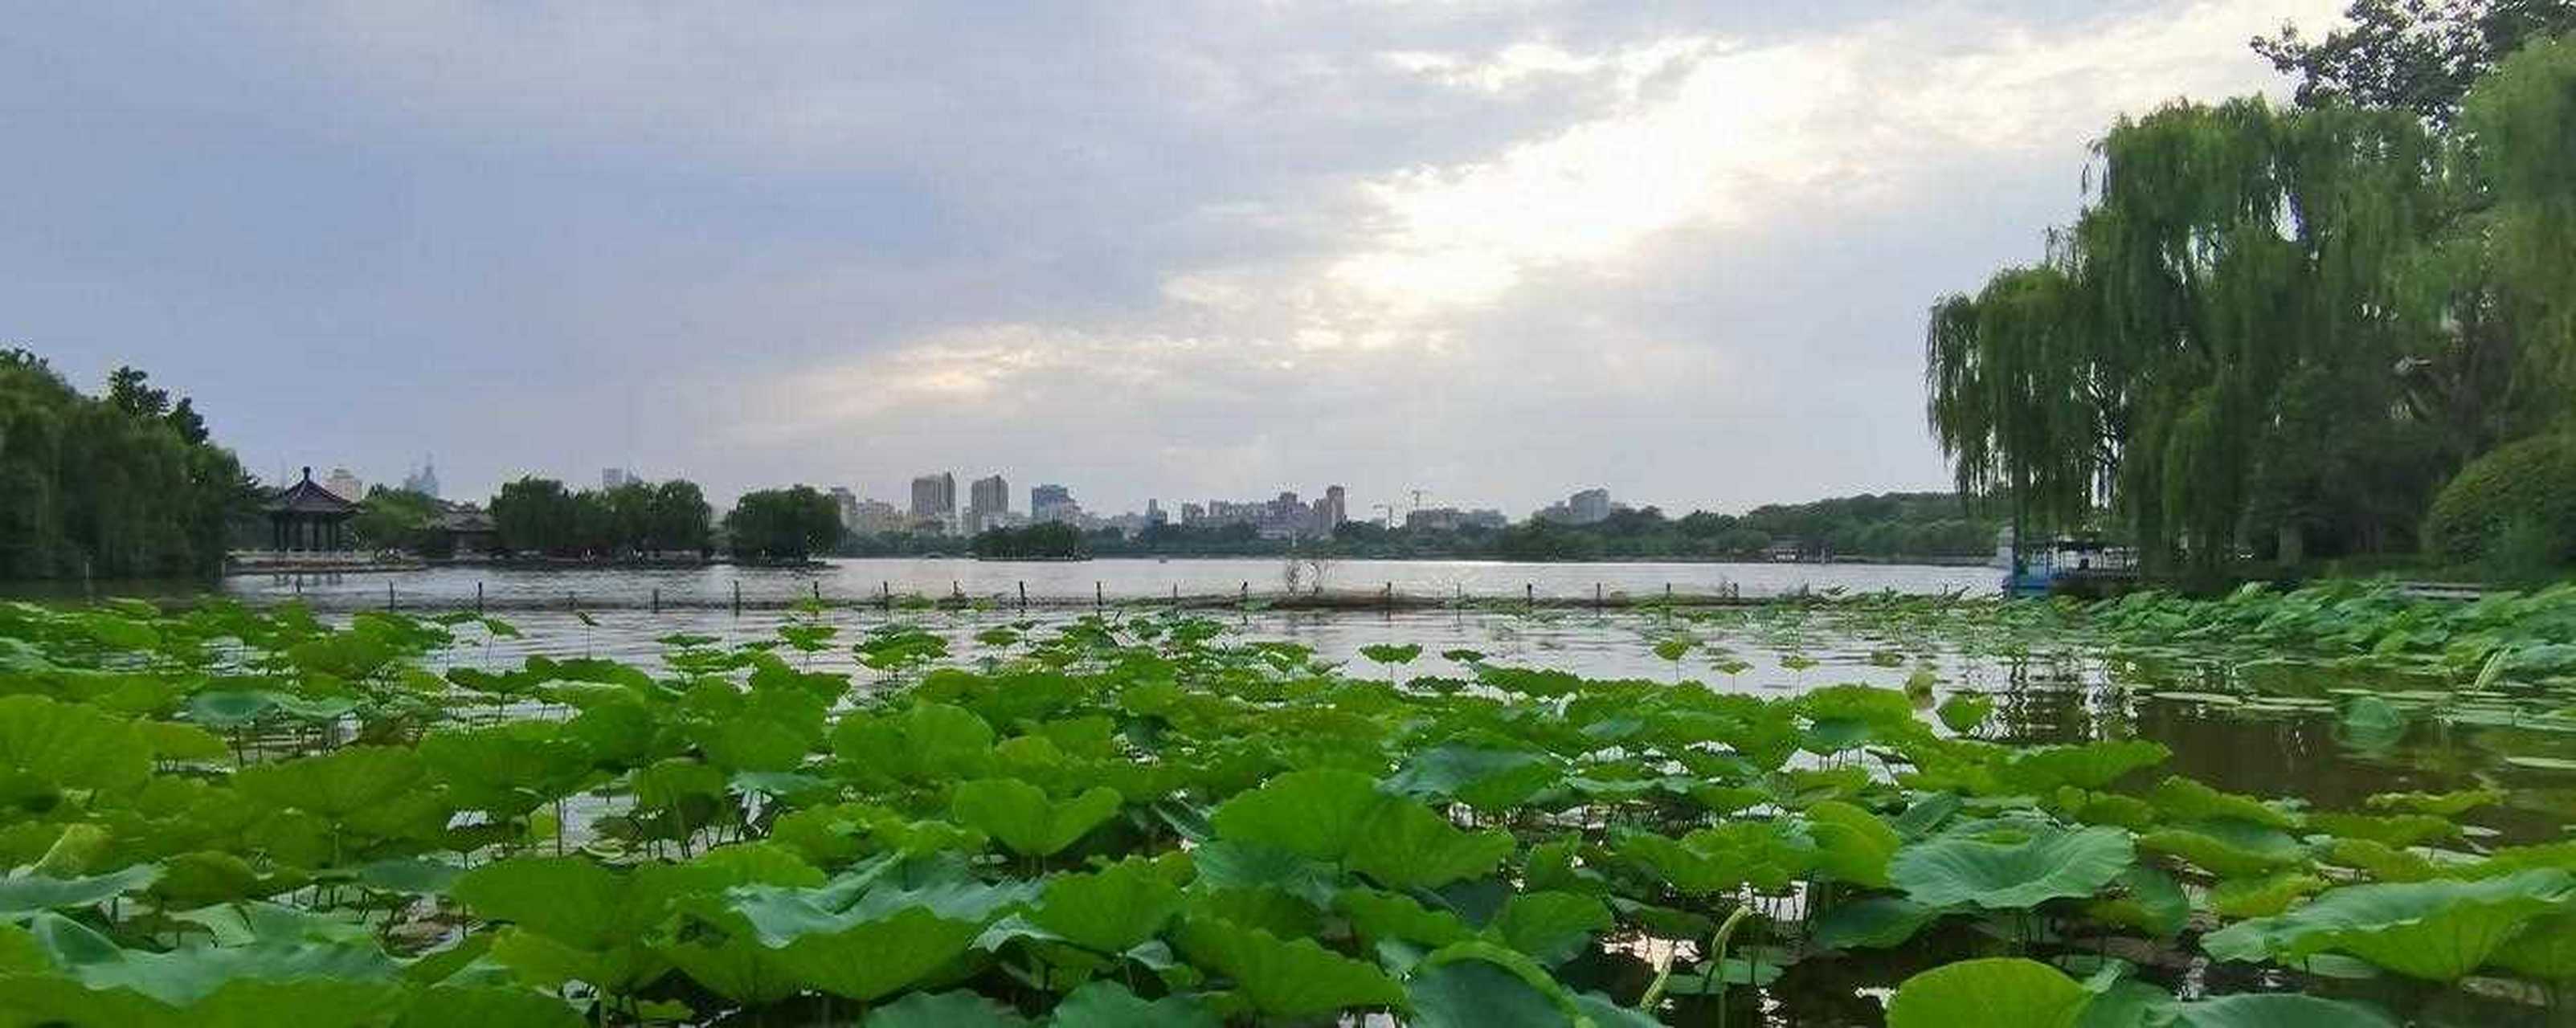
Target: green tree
[
  {"x": 394, "y": 519},
  {"x": 108, "y": 486},
  {"x": 2420, "y": 56},
  {"x": 783, "y": 524}
]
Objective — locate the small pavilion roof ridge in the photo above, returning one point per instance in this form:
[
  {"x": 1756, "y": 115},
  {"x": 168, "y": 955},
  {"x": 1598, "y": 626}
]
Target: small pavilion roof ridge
[{"x": 307, "y": 497}]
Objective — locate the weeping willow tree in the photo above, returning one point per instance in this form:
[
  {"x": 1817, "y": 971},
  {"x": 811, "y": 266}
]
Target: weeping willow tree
[
  {"x": 2521, "y": 141},
  {"x": 2232, "y": 256}
]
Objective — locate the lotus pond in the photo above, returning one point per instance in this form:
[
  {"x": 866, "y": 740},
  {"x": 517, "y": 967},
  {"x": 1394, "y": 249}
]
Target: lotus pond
[{"x": 2335, "y": 806}]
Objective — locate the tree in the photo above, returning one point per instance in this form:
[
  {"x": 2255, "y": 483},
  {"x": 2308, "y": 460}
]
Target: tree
[
  {"x": 534, "y": 515},
  {"x": 393, "y": 519},
  {"x": 783, "y": 524},
  {"x": 1046, "y": 540},
  {"x": 2419, "y": 56},
  {"x": 107, "y": 486}
]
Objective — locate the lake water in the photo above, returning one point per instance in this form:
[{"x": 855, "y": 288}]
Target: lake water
[
  {"x": 1059, "y": 582},
  {"x": 2277, "y": 738}
]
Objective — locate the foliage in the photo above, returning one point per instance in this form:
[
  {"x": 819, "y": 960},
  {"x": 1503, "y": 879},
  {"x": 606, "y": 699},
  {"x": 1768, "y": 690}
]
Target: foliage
[
  {"x": 783, "y": 524},
  {"x": 221, "y": 815},
  {"x": 2412, "y": 55},
  {"x": 2282, "y": 329},
  {"x": 1047, "y": 540},
  {"x": 539, "y": 516},
  {"x": 125, "y": 485},
  {"x": 2524, "y": 486}
]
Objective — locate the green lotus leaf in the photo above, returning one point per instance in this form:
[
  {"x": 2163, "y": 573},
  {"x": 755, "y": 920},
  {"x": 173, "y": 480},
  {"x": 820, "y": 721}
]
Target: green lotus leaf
[
  {"x": 2398, "y": 830},
  {"x": 759, "y": 863},
  {"x": 374, "y": 788},
  {"x": 2544, "y": 949},
  {"x": 928, "y": 742},
  {"x": 1486, "y": 779},
  {"x": 1286, "y": 978},
  {"x": 739, "y": 968},
  {"x": 1403, "y": 845},
  {"x": 2278, "y": 1010},
  {"x": 455, "y": 1006},
  {"x": 1874, "y": 922},
  {"x": 942, "y": 1010},
  {"x": 875, "y": 958},
  {"x": 2050, "y": 864},
  {"x": 2091, "y": 765},
  {"x": 507, "y": 770},
  {"x": 2150, "y": 902},
  {"x": 1110, "y": 910},
  {"x": 1310, "y": 813},
  {"x": 49, "y": 745},
  {"x": 2437, "y": 930},
  {"x": 1386, "y": 653},
  {"x": 1377, "y": 916},
  {"x": 1107, "y": 1004},
  {"x": 574, "y": 901},
  {"x": 1963, "y": 713},
  {"x": 1997, "y": 992},
  {"x": 2261, "y": 897},
  {"x": 1767, "y": 854},
  {"x": 1852, "y": 844},
  {"x": 1021, "y": 817},
  {"x": 2182, "y": 799},
  {"x": 171, "y": 740},
  {"x": 1268, "y": 908},
  {"x": 1552, "y": 927},
  {"x": 1232, "y": 864},
  {"x": 2199, "y": 846},
  {"x": 26, "y": 893},
  {"x": 1477, "y": 994}
]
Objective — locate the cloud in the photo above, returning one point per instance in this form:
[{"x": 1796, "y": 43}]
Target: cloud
[{"x": 1500, "y": 251}]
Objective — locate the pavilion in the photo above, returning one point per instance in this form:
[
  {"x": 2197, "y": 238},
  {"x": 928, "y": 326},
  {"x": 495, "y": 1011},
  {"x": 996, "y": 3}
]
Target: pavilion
[{"x": 305, "y": 516}]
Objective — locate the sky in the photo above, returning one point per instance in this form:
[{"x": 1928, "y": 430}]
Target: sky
[{"x": 1496, "y": 252}]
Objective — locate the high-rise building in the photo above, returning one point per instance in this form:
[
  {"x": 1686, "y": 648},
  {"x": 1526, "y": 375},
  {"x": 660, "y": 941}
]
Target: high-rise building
[
  {"x": 345, "y": 485},
  {"x": 1336, "y": 508},
  {"x": 846, "y": 504},
  {"x": 1053, "y": 503},
  {"x": 423, "y": 481},
  {"x": 934, "y": 497},
  {"x": 988, "y": 496},
  {"x": 1154, "y": 513},
  {"x": 611, "y": 478},
  {"x": 1590, "y": 506}
]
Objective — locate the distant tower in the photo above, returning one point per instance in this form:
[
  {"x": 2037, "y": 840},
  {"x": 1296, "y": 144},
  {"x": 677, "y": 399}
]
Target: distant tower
[{"x": 1336, "y": 507}]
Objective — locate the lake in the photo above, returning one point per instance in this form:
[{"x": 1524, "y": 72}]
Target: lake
[{"x": 1059, "y": 582}]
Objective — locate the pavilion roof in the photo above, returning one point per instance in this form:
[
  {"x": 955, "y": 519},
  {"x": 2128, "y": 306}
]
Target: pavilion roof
[{"x": 305, "y": 497}]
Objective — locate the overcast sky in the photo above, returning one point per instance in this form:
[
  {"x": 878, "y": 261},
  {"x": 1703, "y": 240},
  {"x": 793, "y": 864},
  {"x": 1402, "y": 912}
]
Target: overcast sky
[{"x": 1494, "y": 251}]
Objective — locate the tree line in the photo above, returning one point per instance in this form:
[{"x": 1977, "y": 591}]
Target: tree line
[
  {"x": 122, "y": 485},
  {"x": 2285, "y": 331},
  {"x": 539, "y": 516}
]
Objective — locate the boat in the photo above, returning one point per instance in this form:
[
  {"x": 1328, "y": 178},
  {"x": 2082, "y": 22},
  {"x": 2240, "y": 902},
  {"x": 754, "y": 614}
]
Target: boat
[{"x": 2085, "y": 563}]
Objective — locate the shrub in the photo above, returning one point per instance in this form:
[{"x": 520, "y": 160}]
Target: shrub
[{"x": 2522, "y": 494}]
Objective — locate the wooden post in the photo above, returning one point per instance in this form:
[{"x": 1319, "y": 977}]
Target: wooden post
[
  {"x": 478, "y": 596},
  {"x": 1097, "y": 597},
  {"x": 818, "y": 590},
  {"x": 1529, "y": 596},
  {"x": 737, "y": 597},
  {"x": 1596, "y": 596},
  {"x": 1176, "y": 592},
  {"x": 389, "y": 596},
  {"x": 885, "y": 594},
  {"x": 1389, "y": 600},
  {"x": 1247, "y": 592},
  {"x": 657, "y": 599},
  {"x": 1024, "y": 594}
]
